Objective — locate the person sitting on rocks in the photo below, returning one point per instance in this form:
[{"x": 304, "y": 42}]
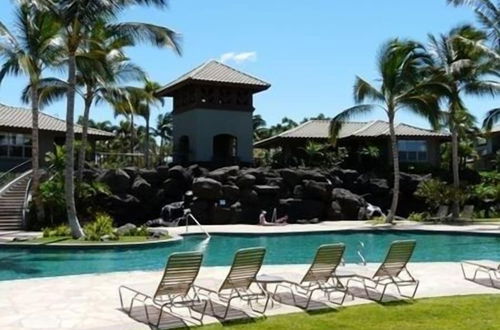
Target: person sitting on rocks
[{"x": 279, "y": 222}]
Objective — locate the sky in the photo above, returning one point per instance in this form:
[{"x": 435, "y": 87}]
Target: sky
[{"x": 310, "y": 51}]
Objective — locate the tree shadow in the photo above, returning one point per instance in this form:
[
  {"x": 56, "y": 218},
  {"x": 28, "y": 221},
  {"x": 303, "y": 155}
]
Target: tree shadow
[
  {"x": 15, "y": 263},
  {"x": 315, "y": 306},
  {"x": 168, "y": 321}
]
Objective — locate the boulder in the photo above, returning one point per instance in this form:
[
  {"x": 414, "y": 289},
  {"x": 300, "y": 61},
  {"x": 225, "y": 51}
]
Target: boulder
[
  {"x": 174, "y": 188},
  {"x": 265, "y": 190},
  {"x": 409, "y": 182},
  {"x": 197, "y": 171},
  {"x": 347, "y": 176},
  {"x": 297, "y": 209},
  {"x": 141, "y": 188},
  {"x": 181, "y": 174},
  {"x": 203, "y": 210},
  {"x": 222, "y": 173},
  {"x": 245, "y": 181},
  {"x": 334, "y": 211},
  {"x": 230, "y": 193},
  {"x": 249, "y": 197},
  {"x": 291, "y": 177},
  {"x": 352, "y": 205},
  {"x": 125, "y": 229},
  {"x": 117, "y": 180},
  {"x": 314, "y": 175},
  {"x": 207, "y": 188},
  {"x": 131, "y": 171},
  {"x": 316, "y": 190},
  {"x": 172, "y": 211},
  {"x": 223, "y": 215},
  {"x": 298, "y": 191},
  {"x": 163, "y": 172},
  {"x": 259, "y": 173},
  {"x": 151, "y": 176}
]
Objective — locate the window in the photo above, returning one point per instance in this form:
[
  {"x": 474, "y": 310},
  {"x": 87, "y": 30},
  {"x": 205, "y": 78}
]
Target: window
[
  {"x": 413, "y": 151},
  {"x": 14, "y": 145}
]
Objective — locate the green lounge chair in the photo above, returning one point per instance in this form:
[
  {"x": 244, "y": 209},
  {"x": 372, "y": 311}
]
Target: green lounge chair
[
  {"x": 391, "y": 270},
  {"x": 490, "y": 268},
  {"x": 240, "y": 283},
  {"x": 321, "y": 276},
  {"x": 175, "y": 290},
  {"x": 467, "y": 213},
  {"x": 441, "y": 214}
]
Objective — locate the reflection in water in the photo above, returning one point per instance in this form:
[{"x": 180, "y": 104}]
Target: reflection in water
[{"x": 16, "y": 262}]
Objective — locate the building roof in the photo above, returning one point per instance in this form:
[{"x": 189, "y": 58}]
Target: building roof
[
  {"x": 13, "y": 117},
  {"x": 215, "y": 72},
  {"x": 319, "y": 129}
]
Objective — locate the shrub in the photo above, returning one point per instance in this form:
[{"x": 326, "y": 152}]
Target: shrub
[
  {"x": 102, "y": 226},
  {"x": 138, "y": 231},
  {"x": 377, "y": 220},
  {"x": 418, "y": 217},
  {"x": 59, "y": 231}
]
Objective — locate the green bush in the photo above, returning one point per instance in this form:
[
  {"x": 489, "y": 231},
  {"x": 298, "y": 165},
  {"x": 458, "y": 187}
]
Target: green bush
[
  {"x": 418, "y": 217},
  {"x": 102, "y": 226},
  {"x": 59, "y": 231},
  {"x": 138, "y": 231}
]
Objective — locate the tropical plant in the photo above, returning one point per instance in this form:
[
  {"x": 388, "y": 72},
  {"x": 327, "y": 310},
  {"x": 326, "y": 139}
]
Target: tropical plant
[
  {"x": 259, "y": 127},
  {"x": 29, "y": 52},
  {"x": 462, "y": 69},
  {"x": 164, "y": 130},
  {"x": 101, "y": 227},
  {"x": 400, "y": 66},
  {"x": 77, "y": 19}
]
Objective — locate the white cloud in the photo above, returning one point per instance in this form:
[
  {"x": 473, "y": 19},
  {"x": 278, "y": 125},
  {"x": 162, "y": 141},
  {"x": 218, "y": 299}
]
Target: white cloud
[{"x": 238, "y": 57}]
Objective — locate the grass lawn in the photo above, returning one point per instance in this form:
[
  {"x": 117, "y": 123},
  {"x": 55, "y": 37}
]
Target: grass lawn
[
  {"x": 464, "y": 312},
  {"x": 68, "y": 240}
]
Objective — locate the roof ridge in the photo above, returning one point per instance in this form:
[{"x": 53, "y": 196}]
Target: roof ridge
[
  {"x": 293, "y": 129},
  {"x": 239, "y": 71},
  {"x": 368, "y": 124},
  {"x": 416, "y": 127}
]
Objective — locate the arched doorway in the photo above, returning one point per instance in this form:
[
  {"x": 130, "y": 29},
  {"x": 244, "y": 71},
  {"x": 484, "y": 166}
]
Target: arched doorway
[
  {"x": 183, "y": 149},
  {"x": 225, "y": 148}
]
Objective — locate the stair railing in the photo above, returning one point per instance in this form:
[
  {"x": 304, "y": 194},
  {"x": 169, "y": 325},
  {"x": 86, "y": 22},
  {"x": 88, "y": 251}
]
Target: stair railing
[
  {"x": 4, "y": 175},
  {"x": 26, "y": 203}
]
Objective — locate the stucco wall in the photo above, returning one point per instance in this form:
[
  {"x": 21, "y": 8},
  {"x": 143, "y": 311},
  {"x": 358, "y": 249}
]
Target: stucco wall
[{"x": 201, "y": 125}]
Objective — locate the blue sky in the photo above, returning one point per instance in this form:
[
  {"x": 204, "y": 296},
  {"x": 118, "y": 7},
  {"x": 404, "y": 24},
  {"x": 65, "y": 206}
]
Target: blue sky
[{"x": 310, "y": 51}]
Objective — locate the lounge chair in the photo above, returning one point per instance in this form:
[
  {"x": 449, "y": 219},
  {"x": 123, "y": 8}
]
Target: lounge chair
[
  {"x": 240, "y": 283},
  {"x": 441, "y": 214},
  {"x": 391, "y": 270},
  {"x": 175, "y": 290},
  {"x": 467, "y": 213},
  {"x": 321, "y": 276},
  {"x": 490, "y": 268}
]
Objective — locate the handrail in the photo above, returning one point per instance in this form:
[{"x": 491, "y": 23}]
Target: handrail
[
  {"x": 15, "y": 168},
  {"x": 187, "y": 215},
  {"x": 27, "y": 196},
  {"x": 4, "y": 174}
]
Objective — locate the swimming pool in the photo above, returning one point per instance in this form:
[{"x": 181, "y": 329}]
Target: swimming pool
[{"x": 295, "y": 248}]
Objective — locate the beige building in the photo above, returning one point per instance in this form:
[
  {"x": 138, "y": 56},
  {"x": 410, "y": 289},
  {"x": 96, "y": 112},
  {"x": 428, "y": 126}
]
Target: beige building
[
  {"x": 212, "y": 114},
  {"x": 416, "y": 145}
]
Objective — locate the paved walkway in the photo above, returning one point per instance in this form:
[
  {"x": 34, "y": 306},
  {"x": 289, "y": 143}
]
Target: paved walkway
[{"x": 91, "y": 301}]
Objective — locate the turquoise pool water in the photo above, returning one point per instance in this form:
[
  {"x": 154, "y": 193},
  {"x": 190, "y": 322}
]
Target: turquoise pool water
[{"x": 17, "y": 263}]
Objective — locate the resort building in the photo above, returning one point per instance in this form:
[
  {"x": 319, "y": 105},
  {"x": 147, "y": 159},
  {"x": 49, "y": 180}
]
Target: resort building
[
  {"x": 489, "y": 149},
  {"x": 212, "y": 114},
  {"x": 416, "y": 145},
  {"x": 15, "y": 135}
]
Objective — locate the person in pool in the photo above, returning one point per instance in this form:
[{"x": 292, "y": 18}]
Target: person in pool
[{"x": 279, "y": 222}]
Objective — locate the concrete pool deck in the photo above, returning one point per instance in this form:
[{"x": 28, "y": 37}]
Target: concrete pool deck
[{"x": 91, "y": 301}]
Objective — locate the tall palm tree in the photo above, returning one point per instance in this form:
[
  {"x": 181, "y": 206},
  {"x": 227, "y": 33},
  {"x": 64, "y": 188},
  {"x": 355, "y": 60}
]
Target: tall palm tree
[
  {"x": 29, "y": 51},
  {"x": 488, "y": 15},
  {"x": 463, "y": 69},
  {"x": 164, "y": 130},
  {"x": 400, "y": 65},
  {"x": 259, "y": 127},
  {"x": 77, "y": 19}
]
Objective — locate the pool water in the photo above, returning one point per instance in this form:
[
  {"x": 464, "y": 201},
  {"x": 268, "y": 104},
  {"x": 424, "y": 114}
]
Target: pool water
[{"x": 17, "y": 262}]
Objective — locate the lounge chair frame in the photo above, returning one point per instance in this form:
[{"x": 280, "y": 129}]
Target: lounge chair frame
[
  {"x": 492, "y": 272},
  {"x": 319, "y": 277},
  {"x": 238, "y": 282},
  {"x": 392, "y": 271},
  {"x": 175, "y": 290}
]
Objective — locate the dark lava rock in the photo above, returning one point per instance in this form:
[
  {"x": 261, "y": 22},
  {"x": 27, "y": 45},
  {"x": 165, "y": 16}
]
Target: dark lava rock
[
  {"x": 117, "y": 180},
  {"x": 207, "y": 188}
]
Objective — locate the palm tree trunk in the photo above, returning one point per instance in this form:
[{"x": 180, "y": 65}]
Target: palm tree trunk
[
  {"x": 69, "y": 185},
  {"x": 35, "y": 158},
  {"x": 455, "y": 208},
  {"x": 395, "y": 162},
  {"x": 83, "y": 144},
  {"x": 147, "y": 142},
  {"x": 160, "y": 162},
  {"x": 132, "y": 133}
]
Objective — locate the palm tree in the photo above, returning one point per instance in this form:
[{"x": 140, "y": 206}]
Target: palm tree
[
  {"x": 463, "y": 69},
  {"x": 400, "y": 66},
  {"x": 29, "y": 52},
  {"x": 492, "y": 117},
  {"x": 259, "y": 127},
  {"x": 488, "y": 15},
  {"x": 164, "y": 130},
  {"x": 146, "y": 98},
  {"x": 77, "y": 19}
]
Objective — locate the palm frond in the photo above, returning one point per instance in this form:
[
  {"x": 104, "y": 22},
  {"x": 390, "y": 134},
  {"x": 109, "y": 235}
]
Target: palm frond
[
  {"x": 491, "y": 118},
  {"x": 363, "y": 90},
  {"x": 338, "y": 121}
]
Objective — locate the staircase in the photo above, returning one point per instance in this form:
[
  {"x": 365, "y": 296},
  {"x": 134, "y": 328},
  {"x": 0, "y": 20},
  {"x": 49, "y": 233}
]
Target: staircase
[{"x": 11, "y": 205}]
